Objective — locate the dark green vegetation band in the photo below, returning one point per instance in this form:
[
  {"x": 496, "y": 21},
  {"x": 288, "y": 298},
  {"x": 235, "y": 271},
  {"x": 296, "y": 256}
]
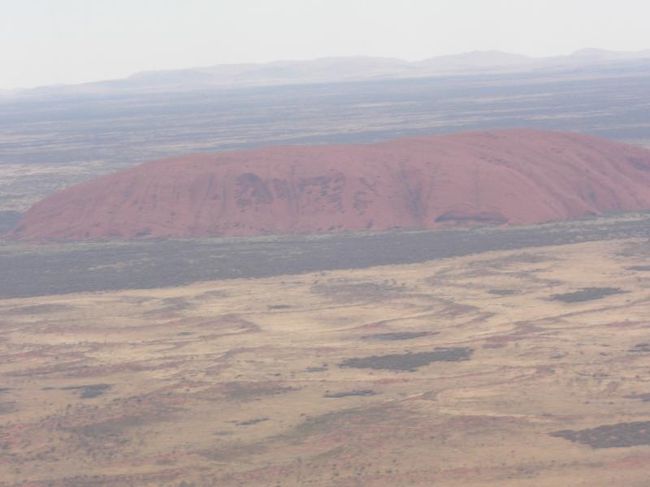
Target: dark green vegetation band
[{"x": 40, "y": 270}]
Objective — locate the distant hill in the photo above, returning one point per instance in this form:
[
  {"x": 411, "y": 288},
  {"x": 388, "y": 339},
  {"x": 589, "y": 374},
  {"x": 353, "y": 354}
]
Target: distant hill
[
  {"x": 495, "y": 177},
  {"x": 330, "y": 70},
  {"x": 475, "y": 60}
]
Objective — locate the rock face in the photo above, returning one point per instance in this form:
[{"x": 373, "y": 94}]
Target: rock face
[{"x": 498, "y": 177}]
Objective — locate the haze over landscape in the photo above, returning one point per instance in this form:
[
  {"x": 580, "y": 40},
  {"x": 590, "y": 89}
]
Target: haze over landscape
[
  {"x": 75, "y": 41},
  {"x": 340, "y": 69},
  {"x": 324, "y": 243}
]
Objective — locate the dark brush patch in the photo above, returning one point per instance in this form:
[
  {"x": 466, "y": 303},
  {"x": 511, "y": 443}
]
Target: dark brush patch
[
  {"x": 354, "y": 393},
  {"x": 398, "y": 335},
  {"x": 248, "y": 391},
  {"x": 641, "y": 348},
  {"x": 502, "y": 292},
  {"x": 587, "y": 294},
  {"x": 640, "y": 397},
  {"x": 316, "y": 369},
  {"x": 251, "y": 422},
  {"x": 620, "y": 435},
  {"x": 89, "y": 391},
  {"x": 409, "y": 361},
  {"x": 638, "y": 268}
]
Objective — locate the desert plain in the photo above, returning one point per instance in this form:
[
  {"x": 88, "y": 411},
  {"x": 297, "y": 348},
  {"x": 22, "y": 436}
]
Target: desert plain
[{"x": 523, "y": 367}]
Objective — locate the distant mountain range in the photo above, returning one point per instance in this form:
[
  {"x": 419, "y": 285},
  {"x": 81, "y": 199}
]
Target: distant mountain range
[{"x": 337, "y": 69}]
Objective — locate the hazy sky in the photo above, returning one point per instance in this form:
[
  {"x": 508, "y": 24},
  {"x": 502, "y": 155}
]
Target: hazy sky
[{"x": 68, "y": 41}]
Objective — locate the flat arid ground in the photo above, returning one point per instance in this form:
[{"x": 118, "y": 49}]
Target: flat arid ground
[{"x": 507, "y": 368}]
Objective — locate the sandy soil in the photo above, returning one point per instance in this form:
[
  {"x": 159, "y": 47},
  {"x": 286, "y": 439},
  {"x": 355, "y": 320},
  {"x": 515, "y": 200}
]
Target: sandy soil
[{"x": 495, "y": 369}]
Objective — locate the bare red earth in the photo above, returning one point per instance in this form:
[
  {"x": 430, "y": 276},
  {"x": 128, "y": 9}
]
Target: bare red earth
[{"x": 509, "y": 176}]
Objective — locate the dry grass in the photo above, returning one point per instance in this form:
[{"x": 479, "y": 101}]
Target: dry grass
[{"x": 241, "y": 383}]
